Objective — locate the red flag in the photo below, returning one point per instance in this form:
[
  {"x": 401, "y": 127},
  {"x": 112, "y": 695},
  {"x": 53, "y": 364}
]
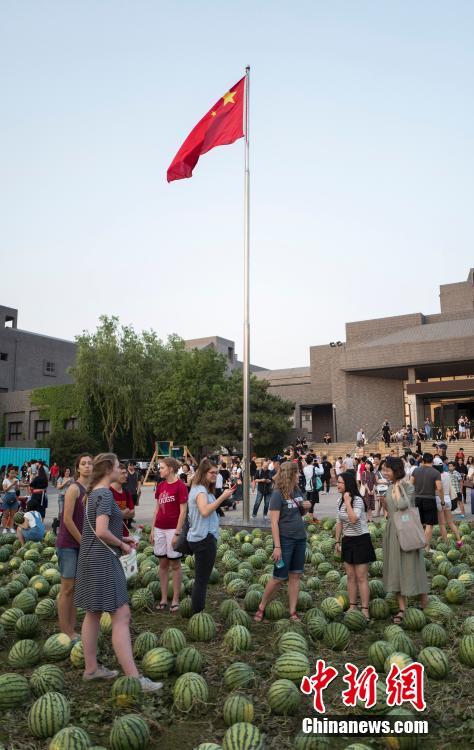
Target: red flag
[{"x": 223, "y": 124}]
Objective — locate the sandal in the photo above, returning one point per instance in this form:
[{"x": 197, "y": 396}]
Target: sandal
[
  {"x": 259, "y": 615},
  {"x": 294, "y": 617},
  {"x": 161, "y": 606},
  {"x": 174, "y": 608},
  {"x": 398, "y": 619},
  {"x": 367, "y": 616},
  {"x": 353, "y": 604}
]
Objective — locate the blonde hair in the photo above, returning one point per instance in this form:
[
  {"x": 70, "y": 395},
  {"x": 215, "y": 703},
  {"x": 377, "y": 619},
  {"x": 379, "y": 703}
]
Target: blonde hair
[
  {"x": 286, "y": 479},
  {"x": 171, "y": 463},
  {"x": 102, "y": 464}
]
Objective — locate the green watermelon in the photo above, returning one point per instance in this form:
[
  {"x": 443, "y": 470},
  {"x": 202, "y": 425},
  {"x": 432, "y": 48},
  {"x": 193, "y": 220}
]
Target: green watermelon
[
  {"x": 173, "y": 639},
  {"x": 434, "y": 635},
  {"x": 283, "y": 697},
  {"x": 189, "y": 660},
  {"x": 129, "y": 732},
  {"x": 24, "y": 654},
  {"x": 466, "y": 650},
  {"x": 336, "y": 636},
  {"x": 292, "y": 665},
  {"x": 47, "y": 678},
  {"x": 158, "y": 663},
  {"x": 201, "y": 627},
  {"x": 434, "y": 661},
  {"x": 238, "y": 638},
  {"x": 70, "y": 738},
  {"x": 190, "y": 692},
  {"x": 238, "y": 675},
  {"x": 14, "y": 691},
  {"x": 57, "y": 647},
  {"x": 126, "y": 691},
  {"x": 242, "y": 736},
  {"x": 237, "y": 708},
  {"x": 48, "y": 714}
]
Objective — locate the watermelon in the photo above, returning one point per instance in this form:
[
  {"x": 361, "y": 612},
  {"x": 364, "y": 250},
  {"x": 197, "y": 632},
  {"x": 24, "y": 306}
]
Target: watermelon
[
  {"x": 238, "y": 675},
  {"x": 237, "y": 708},
  {"x": 378, "y": 653},
  {"x": 392, "y": 630},
  {"x": 24, "y": 654},
  {"x": 185, "y": 607},
  {"x": 47, "y": 678},
  {"x": 106, "y": 624},
  {"x": 355, "y": 620},
  {"x": 399, "y": 658},
  {"x": 237, "y": 587},
  {"x": 434, "y": 661},
  {"x": 14, "y": 691},
  {"x": 77, "y": 655},
  {"x": 158, "y": 663},
  {"x": 274, "y": 610},
  {"x": 466, "y": 650},
  {"x": 173, "y": 639},
  {"x": 227, "y": 606},
  {"x": 129, "y": 732},
  {"x": 26, "y": 600},
  {"x": 208, "y": 746},
  {"x": 238, "y": 638},
  {"x": 201, "y": 627},
  {"x": 144, "y": 642},
  {"x": 46, "y": 609},
  {"x": 283, "y": 697},
  {"x": 27, "y": 626},
  {"x": 336, "y": 636},
  {"x": 142, "y": 600},
  {"x": 315, "y": 627},
  {"x": 292, "y": 665},
  {"x": 402, "y": 642},
  {"x": 468, "y": 626},
  {"x": 239, "y": 617},
  {"x": 189, "y": 660},
  {"x": 455, "y": 592},
  {"x": 439, "y": 582},
  {"x": 252, "y": 600},
  {"x": 331, "y": 608},
  {"x": 292, "y": 641},
  {"x": 242, "y": 736},
  {"x": 126, "y": 691},
  {"x": 40, "y": 585},
  {"x": 311, "y": 742},
  {"x": 48, "y": 714},
  {"x": 434, "y": 635},
  {"x": 57, "y": 647},
  {"x": 70, "y": 738},
  {"x": 379, "y": 609},
  {"x": 414, "y": 619},
  {"x": 190, "y": 692},
  {"x": 436, "y": 611}
]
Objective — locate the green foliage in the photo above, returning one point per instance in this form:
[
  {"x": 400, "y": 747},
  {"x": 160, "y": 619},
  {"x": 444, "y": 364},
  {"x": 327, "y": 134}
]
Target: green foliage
[
  {"x": 56, "y": 403},
  {"x": 66, "y": 445}
]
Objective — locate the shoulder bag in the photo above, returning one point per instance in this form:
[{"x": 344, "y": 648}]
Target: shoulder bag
[
  {"x": 128, "y": 562},
  {"x": 410, "y": 532},
  {"x": 182, "y": 544}
]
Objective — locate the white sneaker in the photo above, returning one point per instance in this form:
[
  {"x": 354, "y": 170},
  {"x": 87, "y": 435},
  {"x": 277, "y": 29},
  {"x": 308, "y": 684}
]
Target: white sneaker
[
  {"x": 148, "y": 686},
  {"x": 5, "y": 531},
  {"x": 12, "y": 531},
  {"x": 101, "y": 673}
]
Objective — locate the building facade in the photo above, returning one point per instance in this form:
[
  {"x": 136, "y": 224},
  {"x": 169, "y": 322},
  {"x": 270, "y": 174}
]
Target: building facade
[{"x": 403, "y": 368}]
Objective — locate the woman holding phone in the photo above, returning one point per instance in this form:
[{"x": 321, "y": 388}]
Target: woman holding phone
[{"x": 287, "y": 508}]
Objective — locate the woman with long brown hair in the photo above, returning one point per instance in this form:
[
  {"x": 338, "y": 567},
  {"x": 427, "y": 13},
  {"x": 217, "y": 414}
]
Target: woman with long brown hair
[
  {"x": 289, "y": 537},
  {"x": 101, "y": 585},
  {"x": 204, "y": 527}
]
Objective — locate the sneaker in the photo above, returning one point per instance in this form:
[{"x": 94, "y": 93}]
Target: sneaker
[
  {"x": 12, "y": 531},
  {"x": 101, "y": 673},
  {"x": 5, "y": 531},
  {"x": 148, "y": 686}
]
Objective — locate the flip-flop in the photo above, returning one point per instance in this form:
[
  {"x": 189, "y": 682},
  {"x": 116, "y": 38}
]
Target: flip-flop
[
  {"x": 161, "y": 606},
  {"x": 174, "y": 608}
]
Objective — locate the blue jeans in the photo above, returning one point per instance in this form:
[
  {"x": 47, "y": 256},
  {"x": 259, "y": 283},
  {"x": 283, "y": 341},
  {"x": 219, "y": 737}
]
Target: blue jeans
[
  {"x": 258, "y": 500},
  {"x": 292, "y": 554}
]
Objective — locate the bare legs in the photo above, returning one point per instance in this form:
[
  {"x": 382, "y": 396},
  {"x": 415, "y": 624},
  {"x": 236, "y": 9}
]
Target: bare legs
[
  {"x": 272, "y": 588},
  {"x": 121, "y": 640},
  {"x": 90, "y": 634},
  {"x": 358, "y": 582},
  {"x": 66, "y": 609},
  {"x": 176, "y": 576},
  {"x": 445, "y": 517}
]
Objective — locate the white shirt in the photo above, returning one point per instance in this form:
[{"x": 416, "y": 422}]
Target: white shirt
[
  {"x": 30, "y": 516},
  {"x": 308, "y": 473},
  {"x": 219, "y": 481},
  {"x": 446, "y": 482},
  {"x": 348, "y": 463},
  {"x": 338, "y": 468}
]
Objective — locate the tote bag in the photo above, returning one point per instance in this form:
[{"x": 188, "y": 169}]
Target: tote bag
[
  {"x": 128, "y": 562},
  {"x": 410, "y": 532}
]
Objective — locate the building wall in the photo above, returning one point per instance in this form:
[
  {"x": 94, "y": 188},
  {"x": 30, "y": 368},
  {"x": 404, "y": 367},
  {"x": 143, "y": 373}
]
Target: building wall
[
  {"x": 363, "y": 401},
  {"x": 365, "y": 330},
  {"x": 459, "y": 296},
  {"x": 16, "y": 407},
  {"x": 27, "y": 355}
]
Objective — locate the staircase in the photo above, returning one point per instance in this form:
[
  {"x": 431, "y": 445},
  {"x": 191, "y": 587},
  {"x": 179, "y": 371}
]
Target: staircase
[{"x": 334, "y": 450}]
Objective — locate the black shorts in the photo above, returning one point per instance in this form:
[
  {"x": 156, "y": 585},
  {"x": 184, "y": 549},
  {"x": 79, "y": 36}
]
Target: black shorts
[
  {"x": 428, "y": 510},
  {"x": 357, "y": 550}
]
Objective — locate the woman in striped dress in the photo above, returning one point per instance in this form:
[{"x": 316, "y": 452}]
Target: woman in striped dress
[
  {"x": 100, "y": 584},
  {"x": 353, "y": 541}
]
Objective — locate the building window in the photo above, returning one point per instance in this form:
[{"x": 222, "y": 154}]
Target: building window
[
  {"x": 4, "y": 356},
  {"x": 230, "y": 353},
  {"x": 71, "y": 424},
  {"x": 49, "y": 368},
  {"x": 9, "y": 321},
  {"x": 42, "y": 429},
  {"x": 15, "y": 430}
]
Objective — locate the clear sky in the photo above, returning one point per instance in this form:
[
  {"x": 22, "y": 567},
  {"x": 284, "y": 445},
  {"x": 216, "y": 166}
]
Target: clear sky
[{"x": 362, "y": 159}]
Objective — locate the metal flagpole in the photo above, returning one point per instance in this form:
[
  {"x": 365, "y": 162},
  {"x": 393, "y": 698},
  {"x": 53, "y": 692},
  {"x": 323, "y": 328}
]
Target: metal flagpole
[{"x": 246, "y": 373}]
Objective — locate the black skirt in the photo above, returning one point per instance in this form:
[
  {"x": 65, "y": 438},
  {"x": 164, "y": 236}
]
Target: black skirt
[{"x": 357, "y": 550}]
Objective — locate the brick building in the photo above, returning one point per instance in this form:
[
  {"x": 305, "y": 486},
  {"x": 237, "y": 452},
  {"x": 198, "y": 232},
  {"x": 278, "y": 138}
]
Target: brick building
[{"x": 403, "y": 368}]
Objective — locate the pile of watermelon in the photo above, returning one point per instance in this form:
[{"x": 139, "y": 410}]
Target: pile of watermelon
[{"x": 231, "y": 684}]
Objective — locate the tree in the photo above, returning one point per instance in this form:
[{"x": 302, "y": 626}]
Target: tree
[
  {"x": 116, "y": 372},
  {"x": 221, "y": 423},
  {"x": 66, "y": 445}
]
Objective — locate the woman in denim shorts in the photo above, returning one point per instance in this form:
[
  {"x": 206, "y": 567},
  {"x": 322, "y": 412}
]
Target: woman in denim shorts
[{"x": 289, "y": 537}]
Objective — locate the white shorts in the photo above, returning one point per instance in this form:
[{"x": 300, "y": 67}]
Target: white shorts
[
  {"x": 163, "y": 544},
  {"x": 447, "y": 503}
]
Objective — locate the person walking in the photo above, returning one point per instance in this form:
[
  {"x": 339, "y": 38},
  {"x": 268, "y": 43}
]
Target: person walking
[
  {"x": 367, "y": 487},
  {"x": 287, "y": 508},
  {"x": 326, "y": 479},
  {"x": 204, "y": 528},
  {"x": 10, "y": 502},
  {"x": 404, "y": 573},
  {"x": 444, "y": 505},
  {"x": 381, "y": 487},
  {"x": 353, "y": 541},
  {"x": 313, "y": 474},
  {"x": 68, "y": 542},
  {"x": 427, "y": 483},
  {"x": 133, "y": 485},
  {"x": 39, "y": 486},
  {"x": 101, "y": 585},
  {"x": 263, "y": 483},
  {"x": 64, "y": 480},
  {"x": 54, "y": 474},
  {"x": 170, "y": 514}
]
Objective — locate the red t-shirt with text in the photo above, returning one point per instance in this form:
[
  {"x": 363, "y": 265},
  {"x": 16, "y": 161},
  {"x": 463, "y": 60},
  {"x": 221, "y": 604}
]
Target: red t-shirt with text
[
  {"x": 170, "y": 497},
  {"x": 124, "y": 501}
]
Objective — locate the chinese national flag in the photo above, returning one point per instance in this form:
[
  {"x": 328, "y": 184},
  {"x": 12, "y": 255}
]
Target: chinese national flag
[{"x": 223, "y": 124}]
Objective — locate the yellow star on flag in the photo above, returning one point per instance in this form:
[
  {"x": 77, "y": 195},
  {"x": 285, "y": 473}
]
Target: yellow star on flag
[
  {"x": 213, "y": 113},
  {"x": 229, "y": 97}
]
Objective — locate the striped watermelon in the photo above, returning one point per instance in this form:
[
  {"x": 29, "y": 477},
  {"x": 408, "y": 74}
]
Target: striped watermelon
[
  {"x": 468, "y": 626},
  {"x": 336, "y": 636},
  {"x": 227, "y": 606},
  {"x": 54, "y": 590},
  {"x": 77, "y": 655},
  {"x": 292, "y": 665},
  {"x": 126, "y": 691},
  {"x": 173, "y": 639},
  {"x": 26, "y": 601},
  {"x": 237, "y": 587},
  {"x": 208, "y": 746},
  {"x": 237, "y": 708},
  {"x": 378, "y": 653},
  {"x": 434, "y": 635},
  {"x": 144, "y": 642},
  {"x": 40, "y": 585},
  {"x": 70, "y": 738},
  {"x": 434, "y": 661},
  {"x": 24, "y": 654},
  {"x": 239, "y": 617},
  {"x": 14, "y": 691},
  {"x": 331, "y": 608},
  {"x": 283, "y": 698},
  {"x": 455, "y": 592},
  {"x": 315, "y": 627},
  {"x": 4, "y": 596},
  {"x": 379, "y": 609},
  {"x": 400, "y": 659},
  {"x": 376, "y": 589},
  {"x": 355, "y": 620},
  {"x": 142, "y": 599},
  {"x": 157, "y": 663},
  {"x": 275, "y": 610},
  {"x": 242, "y": 736},
  {"x": 414, "y": 619},
  {"x": 190, "y": 692},
  {"x": 252, "y": 600},
  {"x": 466, "y": 650},
  {"x": 292, "y": 641},
  {"x": 27, "y": 626},
  {"x": 238, "y": 675},
  {"x": 57, "y": 647},
  {"x": 129, "y": 732},
  {"x": 311, "y": 742},
  {"x": 46, "y": 609},
  {"x": 106, "y": 624},
  {"x": 201, "y": 627},
  {"x": 439, "y": 582},
  {"x": 304, "y": 601},
  {"x": 189, "y": 660},
  {"x": 48, "y": 714},
  {"x": 402, "y": 642},
  {"x": 47, "y": 678},
  {"x": 238, "y": 638},
  {"x": 436, "y": 611},
  {"x": 185, "y": 607},
  {"x": 392, "y": 630}
]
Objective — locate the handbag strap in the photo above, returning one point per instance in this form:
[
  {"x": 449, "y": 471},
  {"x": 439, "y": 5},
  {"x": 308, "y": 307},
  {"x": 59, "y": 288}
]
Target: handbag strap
[{"x": 94, "y": 531}]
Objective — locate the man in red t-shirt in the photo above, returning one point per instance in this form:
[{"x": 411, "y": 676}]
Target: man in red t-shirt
[
  {"x": 171, "y": 506},
  {"x": 123, "y": 499}
]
